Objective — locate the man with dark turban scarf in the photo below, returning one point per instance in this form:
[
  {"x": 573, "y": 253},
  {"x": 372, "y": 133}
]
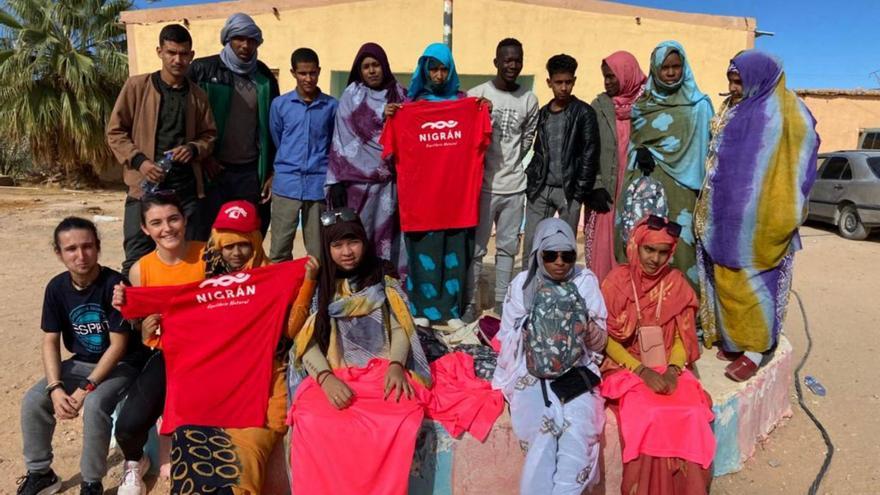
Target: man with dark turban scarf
[{"x": 240, "y": 89}]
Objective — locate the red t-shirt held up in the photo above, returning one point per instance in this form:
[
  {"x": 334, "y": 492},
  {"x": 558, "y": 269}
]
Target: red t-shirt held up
[
  {"x": 219, "y": 337},
  {"x": 439, "y": 148}
]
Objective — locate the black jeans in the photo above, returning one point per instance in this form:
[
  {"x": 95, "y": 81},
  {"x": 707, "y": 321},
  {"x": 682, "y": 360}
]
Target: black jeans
[
  {"x": 235, "y": 182},
  {"x": 142, "y": 407},
  {"x": 136, "y": 244}
]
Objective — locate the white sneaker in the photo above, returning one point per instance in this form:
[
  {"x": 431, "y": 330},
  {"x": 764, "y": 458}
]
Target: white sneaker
[{"x": 132, "y": 477}]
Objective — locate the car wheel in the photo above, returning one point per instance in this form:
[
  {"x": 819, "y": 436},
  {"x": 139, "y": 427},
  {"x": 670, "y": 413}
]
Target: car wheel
[{"x": 850, "y": 225}]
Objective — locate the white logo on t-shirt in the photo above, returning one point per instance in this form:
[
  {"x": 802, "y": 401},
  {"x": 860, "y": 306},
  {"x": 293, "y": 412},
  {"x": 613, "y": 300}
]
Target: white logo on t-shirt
[
  {"x": 440, "y": 125},
  {"x": 225, "y": 280}
]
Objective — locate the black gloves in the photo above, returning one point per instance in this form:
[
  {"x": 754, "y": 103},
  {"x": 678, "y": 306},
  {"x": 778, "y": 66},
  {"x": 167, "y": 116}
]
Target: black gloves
[
  {"x": 645, "y": 161},
  {"x": 599, "y": 200},
  {"x": 337, "y": 196}
]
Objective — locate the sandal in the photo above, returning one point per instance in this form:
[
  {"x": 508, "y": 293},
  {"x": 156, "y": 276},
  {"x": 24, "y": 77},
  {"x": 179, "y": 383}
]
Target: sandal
[
  {"x": 741, "y": 370},
  {"x": 727, "y": 356}
]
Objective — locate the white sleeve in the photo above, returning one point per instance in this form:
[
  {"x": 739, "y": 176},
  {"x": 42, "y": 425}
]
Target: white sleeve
[{"x": 511, "y": 359}]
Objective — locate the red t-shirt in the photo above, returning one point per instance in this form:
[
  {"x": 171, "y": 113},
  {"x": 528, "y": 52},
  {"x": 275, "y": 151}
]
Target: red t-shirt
[
  {"x": 438, "y": 149},
  {"x": 219, "y": 337}
]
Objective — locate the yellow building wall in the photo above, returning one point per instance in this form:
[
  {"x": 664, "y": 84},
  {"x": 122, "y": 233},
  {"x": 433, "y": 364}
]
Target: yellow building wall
[
  {"x": 839, "y": 118},
  {"x": 405, "y": 27}
]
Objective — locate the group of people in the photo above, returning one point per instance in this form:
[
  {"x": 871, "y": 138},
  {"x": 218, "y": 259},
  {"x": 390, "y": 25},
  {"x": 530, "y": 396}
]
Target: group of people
[{"x": 690, "y": 220}]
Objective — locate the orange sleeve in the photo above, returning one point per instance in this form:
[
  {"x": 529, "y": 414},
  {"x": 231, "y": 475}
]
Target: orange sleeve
[
  {"x": 153, "y": 341},
  {"x": 300, "y": 310}
]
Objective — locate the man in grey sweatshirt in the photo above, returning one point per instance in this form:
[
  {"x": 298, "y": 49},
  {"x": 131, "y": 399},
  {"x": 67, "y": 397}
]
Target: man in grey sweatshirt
[{"x": 502, "y": 199}]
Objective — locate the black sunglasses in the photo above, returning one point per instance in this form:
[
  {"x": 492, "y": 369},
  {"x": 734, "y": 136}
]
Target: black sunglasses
[
  {"x": 329, "y": 218},
  {"x": 658, "y": 223},
  {"x": 567, "y": 256}
]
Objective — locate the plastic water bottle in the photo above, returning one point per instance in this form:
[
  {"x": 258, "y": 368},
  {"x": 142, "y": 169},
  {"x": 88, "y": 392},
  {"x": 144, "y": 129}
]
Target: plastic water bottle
[
  {"x": 813, "y": 384},
  {"x": 165, "y": 163}
]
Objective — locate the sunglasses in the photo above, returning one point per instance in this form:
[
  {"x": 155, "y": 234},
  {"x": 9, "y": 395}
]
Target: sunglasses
[
  {"x": 658, "y": 223},
  {"x": 331, "y": 217},
  {"x": 551, "y": 256}
]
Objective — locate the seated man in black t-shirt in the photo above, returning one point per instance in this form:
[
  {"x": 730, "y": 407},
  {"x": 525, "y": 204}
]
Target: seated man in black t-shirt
[{"x": 77, "y": 309}]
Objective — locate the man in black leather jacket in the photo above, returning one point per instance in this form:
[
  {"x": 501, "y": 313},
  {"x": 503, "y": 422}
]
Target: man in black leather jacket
[{"x": 566, "y": 158}]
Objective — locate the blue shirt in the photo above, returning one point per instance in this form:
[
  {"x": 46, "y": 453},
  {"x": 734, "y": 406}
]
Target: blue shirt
[{"x": 302, "y": 133}]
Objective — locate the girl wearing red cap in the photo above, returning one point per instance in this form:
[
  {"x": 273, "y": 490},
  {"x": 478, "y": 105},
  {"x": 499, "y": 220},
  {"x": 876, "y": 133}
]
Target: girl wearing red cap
[{"x": 663, "y": 413}]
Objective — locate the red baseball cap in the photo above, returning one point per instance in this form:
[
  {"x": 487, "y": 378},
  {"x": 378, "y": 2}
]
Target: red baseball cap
[{"x": 238, "y": 216}]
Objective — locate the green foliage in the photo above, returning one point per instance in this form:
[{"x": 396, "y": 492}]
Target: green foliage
[{"x": 62, "y": 63}]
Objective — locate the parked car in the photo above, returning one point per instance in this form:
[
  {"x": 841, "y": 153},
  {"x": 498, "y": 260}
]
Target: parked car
[{"x": 847, "y": 192}]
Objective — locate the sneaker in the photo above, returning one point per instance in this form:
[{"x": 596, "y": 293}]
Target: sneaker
[
  {"x": 132, "y": 477},
  {"x": 91, "y": 488},
  {"x": 39, "y": 484}
]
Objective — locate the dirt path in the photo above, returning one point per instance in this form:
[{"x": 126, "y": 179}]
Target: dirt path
[{"x": 837, "y": 280}]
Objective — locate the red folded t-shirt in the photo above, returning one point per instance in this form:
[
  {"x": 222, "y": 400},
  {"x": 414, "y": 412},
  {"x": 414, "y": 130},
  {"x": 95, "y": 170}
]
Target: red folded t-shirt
[
  {"x": 439, "y": 149},
  {"x": 219, "y": 337}
]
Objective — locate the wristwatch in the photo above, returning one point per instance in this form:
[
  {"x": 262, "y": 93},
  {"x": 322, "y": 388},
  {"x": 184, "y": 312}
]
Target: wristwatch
[{"x": 88, "y": 385}]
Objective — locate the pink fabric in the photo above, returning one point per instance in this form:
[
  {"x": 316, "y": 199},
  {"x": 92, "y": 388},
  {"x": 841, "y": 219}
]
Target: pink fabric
[
  {"x": 677, "y": 425},
  {"x": 460, "y": 401},
  {"x": 368, "y": 447},
  {"x": 631, "y": 79},
  {"x": 365, "y": 448}
]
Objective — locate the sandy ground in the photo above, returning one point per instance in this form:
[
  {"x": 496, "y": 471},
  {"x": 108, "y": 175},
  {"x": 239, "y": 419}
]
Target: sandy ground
[{"x": 837, "y": 280}]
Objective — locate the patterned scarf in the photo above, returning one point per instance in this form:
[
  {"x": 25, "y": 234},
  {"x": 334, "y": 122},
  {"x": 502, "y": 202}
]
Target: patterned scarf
[
  {"x": 672, "y": 121},
  {"x": 360, "y": 327},
  {"x": 766, "y": 166}
]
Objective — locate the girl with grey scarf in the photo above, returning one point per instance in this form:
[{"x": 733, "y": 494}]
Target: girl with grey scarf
[{"x": 562, "y": 439}]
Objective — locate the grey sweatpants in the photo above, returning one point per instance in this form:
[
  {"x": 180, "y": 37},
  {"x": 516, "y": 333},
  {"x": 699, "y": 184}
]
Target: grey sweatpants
[
  {"x": 38, "y": 418},
  {"x": 550, "y": 200},
  {"x": 505, "y": 212},
  {"x": 286, "y": 214}
]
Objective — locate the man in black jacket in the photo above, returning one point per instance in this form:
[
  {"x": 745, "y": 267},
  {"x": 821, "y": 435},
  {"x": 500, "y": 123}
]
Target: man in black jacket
[
  {"x": 566, "y": 159},
  {"x": 240, "y": 89}
]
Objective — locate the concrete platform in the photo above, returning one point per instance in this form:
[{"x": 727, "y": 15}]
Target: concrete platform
[{"x": 745, "y": 414}]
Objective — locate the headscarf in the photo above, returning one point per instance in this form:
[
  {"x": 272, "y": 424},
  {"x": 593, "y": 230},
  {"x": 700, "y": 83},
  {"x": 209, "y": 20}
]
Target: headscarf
[
  {"x": 214, "y": 263},
  {"x": 678, "y": 312},
  {"x": 632, "y": 82},
  {"x": 631, "y": 79},
  {"x": 766, "y": 166},
  {"x": 355, "y": 154},
  {"x": 672, "y": 121},
  {"x": 237, "y": 221},
  {"x": 420, "y": 86},
  {"x": 551, "y": 234},
  {"x": 393, "y": 91},
  {"x": 239, "y": 25}
]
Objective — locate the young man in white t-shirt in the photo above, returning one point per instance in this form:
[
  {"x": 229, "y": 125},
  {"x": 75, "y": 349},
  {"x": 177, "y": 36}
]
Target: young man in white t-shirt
[{"x": 502, "y": 199}]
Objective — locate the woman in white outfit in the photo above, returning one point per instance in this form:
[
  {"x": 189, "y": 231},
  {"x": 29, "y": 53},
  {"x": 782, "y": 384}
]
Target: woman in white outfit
[{"x": 558, "y": 427}]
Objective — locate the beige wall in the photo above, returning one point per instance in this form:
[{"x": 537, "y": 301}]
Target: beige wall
[
  {"x": 839, "y": 118},
  {"x": 586, "y": 29}
]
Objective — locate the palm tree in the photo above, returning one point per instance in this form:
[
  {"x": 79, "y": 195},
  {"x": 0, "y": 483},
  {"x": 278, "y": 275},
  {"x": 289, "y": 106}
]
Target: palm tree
[{"x": 62, "y": 63}]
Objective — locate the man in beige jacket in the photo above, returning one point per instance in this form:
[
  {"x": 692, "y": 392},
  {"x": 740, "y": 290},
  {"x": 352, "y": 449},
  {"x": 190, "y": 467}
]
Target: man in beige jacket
[{"x": 157, "y": 114}]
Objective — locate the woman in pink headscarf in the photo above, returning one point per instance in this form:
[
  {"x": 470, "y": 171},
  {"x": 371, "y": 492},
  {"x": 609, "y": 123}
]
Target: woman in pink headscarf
[{"x": 624, "y": 80}]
